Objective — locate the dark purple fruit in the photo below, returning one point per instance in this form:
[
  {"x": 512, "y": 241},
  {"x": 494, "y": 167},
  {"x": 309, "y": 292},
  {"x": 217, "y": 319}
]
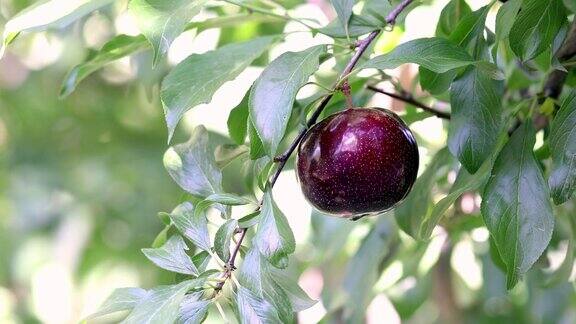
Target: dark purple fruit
[{"x": 357, "y": 162}]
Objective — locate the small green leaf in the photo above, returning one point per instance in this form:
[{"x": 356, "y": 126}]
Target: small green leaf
[
  {"x": 452, "y": 13},
  {"x": 344, "y": 10},
  {"x": 48, "y": 14},
  {"x": 249, "y": 220},
  {"x": 227, "y": 153},
  {"x": 116, "y": 48},
  {"x": 201, "y": 261},
  {"x": 121, "y": 299},
  {"x": 516, "y": 206},
  {"x": 256, "y": 147},
  {"x": 253, "y": 272},
  {"x": 274, "y": 237},
  {"x": 195, "y": 80},
  {"x": 369, "y": 19},
  {"x": 162, "y": 303},
  {"x": 228, "y": 199},
  {"x": 192, "y": 165},
  {"x": 161, "y": 21},
  {"x": 536, "y": 26},
  {"x": 470, "y": 27},
  {"x": 472, "y": 182},
  {"x": 298, "y": 298},
  {"x": 476, "y": 102},
  {"x": 172, "y": 256},
  {"x": 562, "y": 143},
  {"x": 193, "y": 309},
  {"x": 506, "y": 17},
  {"x": 436, "y": 83},
  {"x": 435, "y": 54},
  {"x": 272, "y": 95},
  {"x": 193, "y": 226},
  {"x": 162, "y": 237},
  {"x": 238, "y": 121},
  {"x": 223, "y": 237},
  {"x": 411, "y": 213},
  {"x": 254, "y": 309}
]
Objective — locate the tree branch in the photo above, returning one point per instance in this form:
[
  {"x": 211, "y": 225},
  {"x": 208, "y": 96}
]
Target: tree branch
[
  {"x": 408, "y": 98},
  {"x": 361, "y": 48}
]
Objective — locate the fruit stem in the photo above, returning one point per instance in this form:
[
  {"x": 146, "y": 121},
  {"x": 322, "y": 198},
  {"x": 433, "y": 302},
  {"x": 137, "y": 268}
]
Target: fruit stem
[
  {"x": 347, "y": 91},
  {"x": 408, "y": 98}
]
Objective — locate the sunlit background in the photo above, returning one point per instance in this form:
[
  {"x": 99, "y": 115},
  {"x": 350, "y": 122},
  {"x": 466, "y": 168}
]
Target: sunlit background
[{"x": 81, "y": 179}]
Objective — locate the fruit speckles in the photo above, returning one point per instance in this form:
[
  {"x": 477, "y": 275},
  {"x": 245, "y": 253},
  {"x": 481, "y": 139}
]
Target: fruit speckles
[{"x": 359, "y": 161}]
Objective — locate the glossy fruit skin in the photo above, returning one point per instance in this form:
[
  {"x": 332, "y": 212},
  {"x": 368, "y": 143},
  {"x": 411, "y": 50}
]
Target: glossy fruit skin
[{"x": 357, "y": 162}]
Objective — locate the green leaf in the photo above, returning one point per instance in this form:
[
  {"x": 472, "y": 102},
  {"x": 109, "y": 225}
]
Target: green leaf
[
  {"x": 223, "y": 237},
  {"x": 161, "y": 21},
  {"x": 256, "y": 146},
  {"x": 253, "y": 271},
  {"x": 238, "y": 121},
  {"x": 46, "y": 15},
  {"x": 121, "y": 299},
  {"x": 363, "y": 269},
  {"x": 436, "y": 83},
  {"x": 411, "y": 213},
  {"x": 562, "y": 143},
  {"x": 272, "y": 95},
  {"x": 298, "y": 298},
  {"x": 195, "y": 80},
  {"x": 452, "y": 13},
  {"x": 227, "y": 153},
  {"x": 201, "y": 261},
  {"x": 274, "y": 237},
  {"x": 516, "y": 206},
  {"x": 536, "y": 26},
  {"x": 465, "y": 182},
  {"x": 193, "y": 226},
  {"x": 172, "y": 256},
  {"x": 344, "y": 10},
  {"x": 228, "y": 199},
  {"x": 476, "y": 102},
  {"x": 249, "y": 220},
  {"x": 193, "y": 310},
  {"x": 116, "y": 48},
  {"x": 470, "y": 27},
  {"x": 219, "y": 200},
  {"x": 254, "y": 309},
  {"x": 192, "y": 165},
  {"x": 162, "y": 303},
  {"x": 162, "y": 237},
  {"x": 505, "y": 18},
  {"x": 435, "y": 54},
  {"x": 370, "y": 18}
]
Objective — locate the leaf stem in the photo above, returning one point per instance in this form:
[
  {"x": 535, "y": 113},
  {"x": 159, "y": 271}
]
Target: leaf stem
[{"x": 408, "y": 98}]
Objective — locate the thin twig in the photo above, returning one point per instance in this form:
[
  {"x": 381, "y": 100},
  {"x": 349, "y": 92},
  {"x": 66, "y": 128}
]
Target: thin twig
[
  {"x": 407, "y": 97},
  {"x": 283, "y": 159}
]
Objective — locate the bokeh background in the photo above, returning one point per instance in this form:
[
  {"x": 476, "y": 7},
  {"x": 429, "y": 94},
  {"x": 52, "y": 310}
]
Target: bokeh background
[{"x": 81, "y": 183}]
